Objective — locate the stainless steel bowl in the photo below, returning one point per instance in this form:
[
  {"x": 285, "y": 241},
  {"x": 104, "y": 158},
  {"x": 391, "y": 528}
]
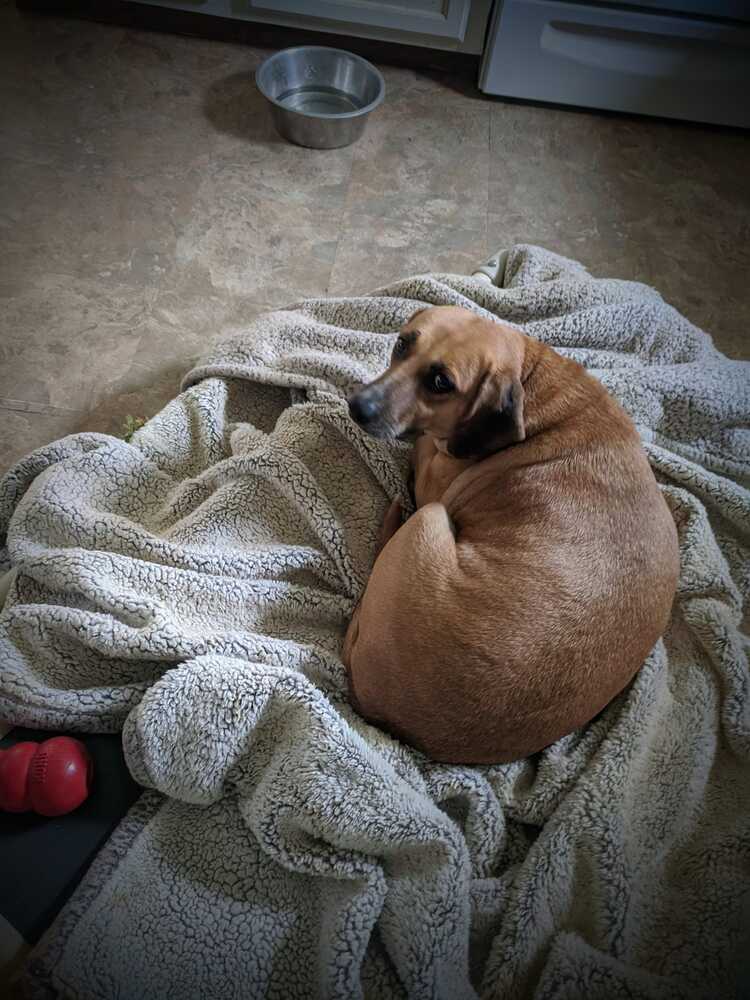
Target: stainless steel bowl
[{"x": 320, "y": 97}]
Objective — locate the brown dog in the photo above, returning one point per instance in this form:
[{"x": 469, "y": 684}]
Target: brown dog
[{"x": 540, "y": 566}]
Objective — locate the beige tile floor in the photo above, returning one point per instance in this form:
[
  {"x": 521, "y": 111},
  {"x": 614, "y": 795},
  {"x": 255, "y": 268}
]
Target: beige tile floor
[{"x": 147, "y": 206}]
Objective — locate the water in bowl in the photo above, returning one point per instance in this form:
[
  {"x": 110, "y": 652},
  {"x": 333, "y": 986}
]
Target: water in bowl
[{"x": 316, "y": 99}]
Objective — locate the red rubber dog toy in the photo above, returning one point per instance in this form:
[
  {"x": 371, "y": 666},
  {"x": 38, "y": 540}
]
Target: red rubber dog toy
[{"x": 50, "y": 778}]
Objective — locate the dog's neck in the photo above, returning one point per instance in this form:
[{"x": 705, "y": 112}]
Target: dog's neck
[
  {"x": 553, "y": 405},
  {"x": 546, "y": 404}
]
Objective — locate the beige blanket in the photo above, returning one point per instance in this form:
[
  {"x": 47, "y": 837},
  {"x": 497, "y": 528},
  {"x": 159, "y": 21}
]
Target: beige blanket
[{"x": 194, "y": 586}]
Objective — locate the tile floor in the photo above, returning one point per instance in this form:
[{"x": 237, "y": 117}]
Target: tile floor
[{"x": 147, "y": 206}]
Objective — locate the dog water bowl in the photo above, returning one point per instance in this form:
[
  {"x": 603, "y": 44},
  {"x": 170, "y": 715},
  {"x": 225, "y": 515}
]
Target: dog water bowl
[{"x": 320, "y": 97}]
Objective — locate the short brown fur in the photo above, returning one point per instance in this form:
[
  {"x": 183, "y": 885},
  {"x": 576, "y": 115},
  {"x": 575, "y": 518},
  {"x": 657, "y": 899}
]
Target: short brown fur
[{"x": 540, "y": 566}]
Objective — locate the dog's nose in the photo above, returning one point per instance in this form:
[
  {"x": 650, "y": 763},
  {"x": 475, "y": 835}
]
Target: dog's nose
[{"x": 362, "y": 408}]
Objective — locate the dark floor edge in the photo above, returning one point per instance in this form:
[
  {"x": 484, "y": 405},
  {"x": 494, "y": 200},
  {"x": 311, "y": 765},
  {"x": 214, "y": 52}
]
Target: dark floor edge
[{"x": 147, "y": 17}]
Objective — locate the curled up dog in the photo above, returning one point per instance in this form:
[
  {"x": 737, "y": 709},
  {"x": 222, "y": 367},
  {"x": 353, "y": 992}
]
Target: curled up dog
[{"x": 540, "y": 566}]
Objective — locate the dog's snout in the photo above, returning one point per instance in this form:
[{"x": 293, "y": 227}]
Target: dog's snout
[{"x": 363, "y": 408}]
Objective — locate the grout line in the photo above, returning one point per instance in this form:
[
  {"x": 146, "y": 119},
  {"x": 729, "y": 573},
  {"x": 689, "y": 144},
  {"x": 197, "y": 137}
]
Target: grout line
[
  {"x": 27, "y": 406},
  {"x": 343, "y": 216}
]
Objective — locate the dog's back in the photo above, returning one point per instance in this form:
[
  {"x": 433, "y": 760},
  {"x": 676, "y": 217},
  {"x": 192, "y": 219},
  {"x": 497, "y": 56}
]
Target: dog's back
[{"x": 558, "y": 584}]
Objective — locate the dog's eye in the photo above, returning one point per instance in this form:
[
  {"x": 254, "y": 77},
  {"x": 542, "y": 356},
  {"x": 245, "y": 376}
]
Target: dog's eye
[
  {"x": 399, "y": 347},
  {"x": 440, "y": 383}
]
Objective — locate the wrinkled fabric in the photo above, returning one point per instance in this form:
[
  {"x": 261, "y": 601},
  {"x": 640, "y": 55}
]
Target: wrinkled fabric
[{"x": 193, "y": 588}]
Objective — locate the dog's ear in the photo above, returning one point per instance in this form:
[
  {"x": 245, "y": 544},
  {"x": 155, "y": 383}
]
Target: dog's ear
[{"x": 494, "y": 421}]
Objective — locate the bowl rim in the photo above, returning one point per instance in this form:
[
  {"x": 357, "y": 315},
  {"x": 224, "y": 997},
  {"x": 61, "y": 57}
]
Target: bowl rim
[{"x": 315, "y": 115}]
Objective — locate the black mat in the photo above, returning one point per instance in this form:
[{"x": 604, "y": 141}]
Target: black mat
[{"x": 43, "y": 860}]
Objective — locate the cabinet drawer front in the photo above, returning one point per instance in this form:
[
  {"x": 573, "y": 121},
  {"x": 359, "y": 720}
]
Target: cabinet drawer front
[
  {"x": 446, "y": 18},
  {"x": 436, "y": 18},
  {"x": 622, "y": 60},
  {"x": 737, "y": 9}
]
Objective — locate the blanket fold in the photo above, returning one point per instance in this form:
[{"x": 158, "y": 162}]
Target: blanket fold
[{"x": 193, "y": 588}]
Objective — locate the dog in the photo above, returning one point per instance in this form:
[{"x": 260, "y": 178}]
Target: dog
[{"x": 540, "y": 566}]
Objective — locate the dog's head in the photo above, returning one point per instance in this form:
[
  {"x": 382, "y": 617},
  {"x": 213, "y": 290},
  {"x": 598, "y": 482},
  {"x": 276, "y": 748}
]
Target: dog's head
[{"x": 453, "y": 375}]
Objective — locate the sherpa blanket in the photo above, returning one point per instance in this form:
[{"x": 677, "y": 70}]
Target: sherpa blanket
[{"x": 193, "y": 586}]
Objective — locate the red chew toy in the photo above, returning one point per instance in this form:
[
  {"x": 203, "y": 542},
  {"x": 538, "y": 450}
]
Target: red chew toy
[{"x": 52, "y": 778}]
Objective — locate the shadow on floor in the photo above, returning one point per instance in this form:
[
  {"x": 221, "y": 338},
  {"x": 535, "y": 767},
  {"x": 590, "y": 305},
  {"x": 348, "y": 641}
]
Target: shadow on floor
[
  {"x": 235, "y": 107},
  {"x": 142, "y": 399}
]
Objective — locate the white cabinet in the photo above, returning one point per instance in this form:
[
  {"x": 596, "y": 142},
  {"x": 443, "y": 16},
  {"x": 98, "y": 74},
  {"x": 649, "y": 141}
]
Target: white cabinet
[
  {"x": 458, "y": 25},
  {"x": 621, "y": 58},
  {"x": 446, "y": 18}
]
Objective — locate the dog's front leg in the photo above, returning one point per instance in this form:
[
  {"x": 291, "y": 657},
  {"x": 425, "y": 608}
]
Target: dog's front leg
[
  {"x": 391, "y": 523},
  {"x": 350, "y": 638},
  {"x": 434, "y": 470},
  {"x": 389, "y": 526}
]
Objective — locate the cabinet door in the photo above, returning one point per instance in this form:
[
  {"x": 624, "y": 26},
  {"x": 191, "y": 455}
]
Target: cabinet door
[
  {"x": 445, "y": 18},
  {"x": 621, "y": 59}
]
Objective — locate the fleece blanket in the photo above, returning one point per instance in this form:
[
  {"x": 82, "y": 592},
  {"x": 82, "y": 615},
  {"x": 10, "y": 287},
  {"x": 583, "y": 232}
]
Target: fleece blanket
[{"x": 193, "y": 586}]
